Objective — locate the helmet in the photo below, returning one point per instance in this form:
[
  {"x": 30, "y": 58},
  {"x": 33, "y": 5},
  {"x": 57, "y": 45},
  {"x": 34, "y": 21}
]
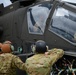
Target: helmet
[
  {"x": 7, "y": 48},
  {"x": 40, "y": 47}
]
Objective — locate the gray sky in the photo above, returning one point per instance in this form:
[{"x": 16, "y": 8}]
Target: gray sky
[
  {"x": 8, "y": 2},
  {"x": 73, "y": 1},
  {"x": 5, "y": 2}
]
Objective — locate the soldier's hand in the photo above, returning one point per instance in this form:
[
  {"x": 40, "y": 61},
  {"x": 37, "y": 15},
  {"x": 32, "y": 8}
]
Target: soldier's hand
[{"x": 46, "y": 53}]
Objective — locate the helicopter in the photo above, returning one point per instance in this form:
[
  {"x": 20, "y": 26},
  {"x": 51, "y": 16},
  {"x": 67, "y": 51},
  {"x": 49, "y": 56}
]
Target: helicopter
[{"x": 52, "y": 21}]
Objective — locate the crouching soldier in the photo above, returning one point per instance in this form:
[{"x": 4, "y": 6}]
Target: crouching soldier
[
  {"x": 8, "y": 61},
  {"x": 41, "y": 63}
]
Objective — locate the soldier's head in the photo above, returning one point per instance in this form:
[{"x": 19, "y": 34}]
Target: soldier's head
[
  {"x": 6, "y": 48},
  {"x": 40, "y": 47}
]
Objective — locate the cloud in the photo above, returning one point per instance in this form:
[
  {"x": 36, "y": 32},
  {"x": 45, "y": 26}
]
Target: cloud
[{"x": 5, "y": 2}]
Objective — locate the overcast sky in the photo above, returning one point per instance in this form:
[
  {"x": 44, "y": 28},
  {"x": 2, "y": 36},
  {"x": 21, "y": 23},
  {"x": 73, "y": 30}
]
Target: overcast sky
[
  {"x": 5, "y": 2},
  {"x": 8, "y": 2},
  {"x": 74, "y": 1}
]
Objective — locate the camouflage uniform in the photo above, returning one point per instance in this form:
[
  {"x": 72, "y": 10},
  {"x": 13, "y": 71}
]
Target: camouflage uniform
[
  {"x": 9, "y": 63},
  {"x": 41, "y": 64}
]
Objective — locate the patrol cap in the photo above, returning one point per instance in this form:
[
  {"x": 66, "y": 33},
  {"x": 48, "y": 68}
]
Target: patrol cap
[
  {"x": 7, "y": 42},
  {"x": 40, "y": 46}
]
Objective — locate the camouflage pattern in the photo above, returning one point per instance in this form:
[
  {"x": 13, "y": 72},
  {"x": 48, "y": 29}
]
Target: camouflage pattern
[
  {"x": 9, "y": 63},
  {"x": 41, "y": 64}
]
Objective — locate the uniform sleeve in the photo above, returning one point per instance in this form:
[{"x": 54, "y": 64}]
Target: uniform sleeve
[
  {"x": 55, "y": 54},
  {"x": 18, "y": 63}
]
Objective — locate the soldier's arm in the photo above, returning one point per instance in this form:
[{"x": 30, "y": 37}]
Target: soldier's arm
[
  {"x": 55, "y": 54},
  {"x": 17, "y": 62},
  {"x": 56, "y": 51}
]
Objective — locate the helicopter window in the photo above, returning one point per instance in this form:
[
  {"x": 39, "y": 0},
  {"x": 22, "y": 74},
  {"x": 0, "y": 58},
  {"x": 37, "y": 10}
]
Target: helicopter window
[
  {"x": 64, "y": 24},
  {"x": 36, "y": 18}
]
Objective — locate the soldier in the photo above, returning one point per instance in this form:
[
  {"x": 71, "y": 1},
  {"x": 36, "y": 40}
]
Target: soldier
[
  {"x": 41, "y": 63},
  {"x": 8, "y": 61}
]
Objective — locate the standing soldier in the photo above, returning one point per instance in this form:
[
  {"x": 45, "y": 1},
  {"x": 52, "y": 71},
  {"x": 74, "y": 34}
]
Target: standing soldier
[
  {"x": 8, "y": 61},
  {"x": 41, "y": 63}
]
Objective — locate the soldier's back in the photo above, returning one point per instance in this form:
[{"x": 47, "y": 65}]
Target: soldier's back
[
  {"x": 6, "y": 64},
  {"x": 38, "y": 64}
]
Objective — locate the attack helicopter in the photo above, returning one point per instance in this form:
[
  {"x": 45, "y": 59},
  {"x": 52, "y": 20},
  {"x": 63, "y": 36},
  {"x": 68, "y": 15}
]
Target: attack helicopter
[{"x": 53, "y": 21}]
